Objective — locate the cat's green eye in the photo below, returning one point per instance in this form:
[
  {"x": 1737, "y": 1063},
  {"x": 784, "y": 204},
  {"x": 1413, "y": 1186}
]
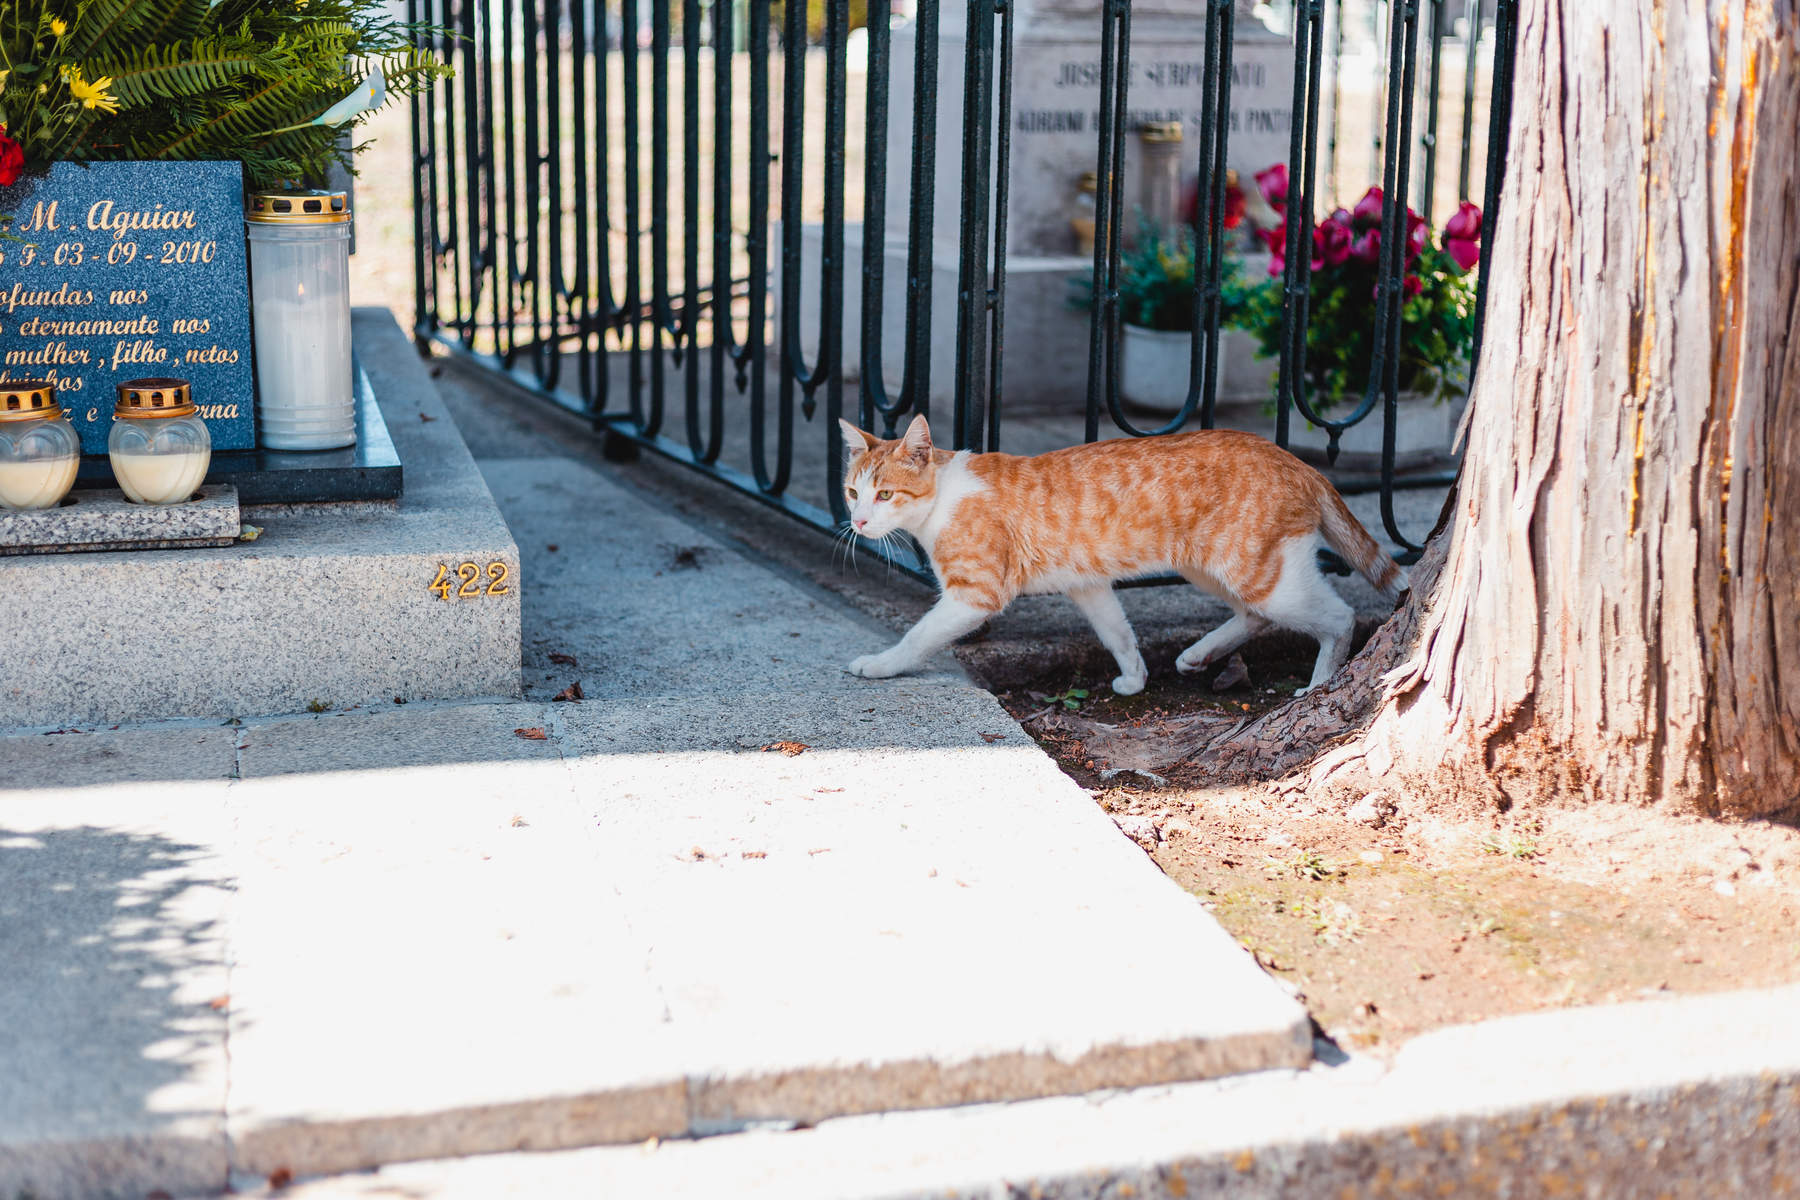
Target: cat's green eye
[
  {"x": 884, "y": 495},
  {"x": 850, "y": 492}
]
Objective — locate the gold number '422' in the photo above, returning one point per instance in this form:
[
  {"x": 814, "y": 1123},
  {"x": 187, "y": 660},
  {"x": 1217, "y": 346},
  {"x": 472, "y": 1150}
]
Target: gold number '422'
[{"x": 464, "y": 583}]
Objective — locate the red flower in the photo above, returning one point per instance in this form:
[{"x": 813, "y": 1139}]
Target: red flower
[
  {"x": 1412, "y": 285},
  {"x": 1331, "y": 245},
  {"x": 1342, "y": 217},
  {"x": 1367, "y": 213},
  {"x": 1273, "y": 183},
  {"x": 12, "y": 159},
  {"x": 1462, "y": 236},
  {"x": 1367, "y": 248},
  {"x": 1234, "y": 204}
]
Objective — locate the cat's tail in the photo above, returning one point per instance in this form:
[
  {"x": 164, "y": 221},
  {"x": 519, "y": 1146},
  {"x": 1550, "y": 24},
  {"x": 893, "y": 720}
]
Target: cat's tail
[{"x": 1345, "y": 534}]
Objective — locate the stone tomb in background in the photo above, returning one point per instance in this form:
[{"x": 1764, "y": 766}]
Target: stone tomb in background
[{"x": 1055, "y": 138}]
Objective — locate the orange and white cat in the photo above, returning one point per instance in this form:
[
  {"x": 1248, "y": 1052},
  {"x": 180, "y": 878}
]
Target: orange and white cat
[{"x": 1232, "y": 512}]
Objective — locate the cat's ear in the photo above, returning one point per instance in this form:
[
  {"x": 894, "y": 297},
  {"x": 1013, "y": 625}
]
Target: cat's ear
[
  {"x": 855, "y": 440},
  {"x": 918, "y": 439}
]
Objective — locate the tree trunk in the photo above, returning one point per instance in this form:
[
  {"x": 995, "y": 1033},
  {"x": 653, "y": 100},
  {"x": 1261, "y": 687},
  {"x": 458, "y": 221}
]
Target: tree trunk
[{"x": 1617, "y": 612}]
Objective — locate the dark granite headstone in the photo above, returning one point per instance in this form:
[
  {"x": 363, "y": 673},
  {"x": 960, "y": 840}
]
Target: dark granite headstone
[{"x": 125, "y": 270}]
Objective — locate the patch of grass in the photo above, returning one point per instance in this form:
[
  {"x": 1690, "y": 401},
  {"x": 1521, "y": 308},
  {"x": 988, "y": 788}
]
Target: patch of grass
[
  {"x": 1070, "y": 699},
  {"x": 1309, "y": 864},
  {"x": 1333, "y": 921},
  {"x": 317, "y": 706},
  {"x": 1510, "y": 845}
]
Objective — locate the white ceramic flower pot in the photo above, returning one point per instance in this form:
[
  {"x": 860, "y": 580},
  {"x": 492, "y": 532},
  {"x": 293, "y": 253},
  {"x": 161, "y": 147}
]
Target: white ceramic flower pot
[{"x": 1154, "y": 366}]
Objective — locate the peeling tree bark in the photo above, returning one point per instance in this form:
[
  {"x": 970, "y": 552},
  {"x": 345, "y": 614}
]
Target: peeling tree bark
[{"x": 1617, "y": 615}]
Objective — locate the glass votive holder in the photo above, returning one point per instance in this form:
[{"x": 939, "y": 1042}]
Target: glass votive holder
[
  {"x": 300, "y": 306},
  {"x": 39, "y": 449},
  {"x": 159, "y": 446}
]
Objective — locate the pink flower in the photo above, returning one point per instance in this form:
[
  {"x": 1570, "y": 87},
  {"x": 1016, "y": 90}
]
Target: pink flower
[
  {"x": 1273, "y": 183},
  {"x": 1331, "y": 245},
  {"x": 1342, "y": 217},
  {"x": 12, "y": 159},
  {"x": 1462, "y": 236},
  {"x": 1367, "y": 248},
  {"x": 1465, "y": 224},
  {"x": 1275, "y": 239},
  {"x": 1277, "y": 266},
  {"x": 1412, "y": 285},
  {"x": 1367, "y": 212},
  {"x": 1417, "y": 232}
]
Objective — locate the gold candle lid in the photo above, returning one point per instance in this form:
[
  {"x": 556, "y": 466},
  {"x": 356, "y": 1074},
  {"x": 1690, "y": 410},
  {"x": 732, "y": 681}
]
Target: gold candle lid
[
  {"x": 28, "y": 400},
  {"x": 155, "y": 398},
  {"x": 298, "y": 208},
  {"x": 1160, "y": 131}
]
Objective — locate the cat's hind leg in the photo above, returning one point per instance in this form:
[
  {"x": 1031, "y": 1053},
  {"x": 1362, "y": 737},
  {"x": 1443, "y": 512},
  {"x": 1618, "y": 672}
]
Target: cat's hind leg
[
  {"x": 1222, "y": 641},
  {"x": 1101, "y": 607},
  {"x": 942, "y": 624},
  {"x": 1303, "y": 601}
]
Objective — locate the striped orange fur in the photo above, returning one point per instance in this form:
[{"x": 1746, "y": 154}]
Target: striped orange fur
[{"x": 1235, "y": 514}]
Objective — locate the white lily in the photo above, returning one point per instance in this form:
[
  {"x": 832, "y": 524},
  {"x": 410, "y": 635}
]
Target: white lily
[{"x": 367, "y": 95}]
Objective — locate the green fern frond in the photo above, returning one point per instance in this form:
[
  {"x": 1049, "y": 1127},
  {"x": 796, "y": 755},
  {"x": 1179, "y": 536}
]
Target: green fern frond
[
  {"x": 103, "y": 26},
  {"x": 153, "y": 72},
  {"x": 180, "y": 21}
]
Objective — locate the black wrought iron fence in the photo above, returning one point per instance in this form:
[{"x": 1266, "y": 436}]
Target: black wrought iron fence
[{"x": 596, "y": 198}]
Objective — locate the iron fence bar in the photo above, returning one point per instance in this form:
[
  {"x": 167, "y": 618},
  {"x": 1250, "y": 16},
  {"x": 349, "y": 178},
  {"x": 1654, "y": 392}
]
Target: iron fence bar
[
  {"x": 724, "y": 333},
  {"x": 977, "y": 209},
  {"x": 1471, "y": 46},
  {"x": 575, "y": 293},
  {"x": 481, "y": 258},
  {"x": 633, "y": 119},
  {"x": 1499, "y": 134},
  {"x": 606, "y": 312},
  {"x": 420, "y": 107},
  {"x": 1395, "y": 232},
  {"x": 1296, "y": 286},
  {"x": 831, "y": 260},
  {"x": 687, "y": 340},
  {"x": 1103, "y": 325},
  {"x": 1337, "y": 94},
  {"x": 549, "y": 288},
  {"x": 1002, "y": 195},
  {"x": 506, "y": 268},
  {"x": 757, "y": 244},
  {"x": 1428, "y": 140},
  {"x": 660, "y": 321},
  {"x": 1209, "y": 216}
]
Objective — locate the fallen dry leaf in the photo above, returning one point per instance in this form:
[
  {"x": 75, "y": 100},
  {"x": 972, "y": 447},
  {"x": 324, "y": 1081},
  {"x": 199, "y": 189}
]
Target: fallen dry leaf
[
  {"x": 534, "y": 734},
  {"x": 564, "y": 660},
  {"x": 754, "y": 854},
  {"x": 280, "y": 1177},
  {"x": 991, "y": 738},
  {"x": 788, "y": 748},
  {"x": 1235, "y": 674},
  {"x": 426, "y": 417},
  {"x": 571, "y": 694},
  {"x": 219, "y": 1003}
]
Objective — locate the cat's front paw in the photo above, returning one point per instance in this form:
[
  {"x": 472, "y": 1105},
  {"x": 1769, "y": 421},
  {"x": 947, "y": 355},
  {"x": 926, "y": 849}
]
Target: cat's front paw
[
  {"x": 1128, "y": 685},
  {"x": 870, "y": 666}
]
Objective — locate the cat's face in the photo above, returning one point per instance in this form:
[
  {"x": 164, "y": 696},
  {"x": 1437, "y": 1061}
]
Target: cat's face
[{"x": 888, "y": 485}]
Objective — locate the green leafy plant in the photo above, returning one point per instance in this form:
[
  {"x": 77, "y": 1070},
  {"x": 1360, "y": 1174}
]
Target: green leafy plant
[
  {"x": 1437, "y": 315},
  {"x": 1156, "y": 282},
  {"x": 1070, "y": 699},
  {"x": 269, "y": 83}
]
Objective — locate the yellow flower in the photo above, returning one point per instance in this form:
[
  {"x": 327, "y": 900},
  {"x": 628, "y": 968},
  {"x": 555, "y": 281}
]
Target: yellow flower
[
  {"x": 92, "y": 95},
  {"x": 58, "y": 26},
  {"x": 4, "y": 76}
]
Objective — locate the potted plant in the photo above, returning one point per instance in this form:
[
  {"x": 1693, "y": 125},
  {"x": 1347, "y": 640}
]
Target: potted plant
[
  {"x": 1437, "y": 319},
  {"x": 1156, "y": 314}
]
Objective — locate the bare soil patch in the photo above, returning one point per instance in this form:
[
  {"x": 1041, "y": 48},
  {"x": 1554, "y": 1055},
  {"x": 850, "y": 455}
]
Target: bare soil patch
[{"x": 1388, "y": 923}]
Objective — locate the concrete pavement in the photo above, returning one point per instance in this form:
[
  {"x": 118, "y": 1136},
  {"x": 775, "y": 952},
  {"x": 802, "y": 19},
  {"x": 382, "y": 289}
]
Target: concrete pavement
[{"x": 733, "y": 887}]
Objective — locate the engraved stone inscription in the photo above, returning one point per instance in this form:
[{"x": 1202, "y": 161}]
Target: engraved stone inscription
[{"x": 124, "y": 270}]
